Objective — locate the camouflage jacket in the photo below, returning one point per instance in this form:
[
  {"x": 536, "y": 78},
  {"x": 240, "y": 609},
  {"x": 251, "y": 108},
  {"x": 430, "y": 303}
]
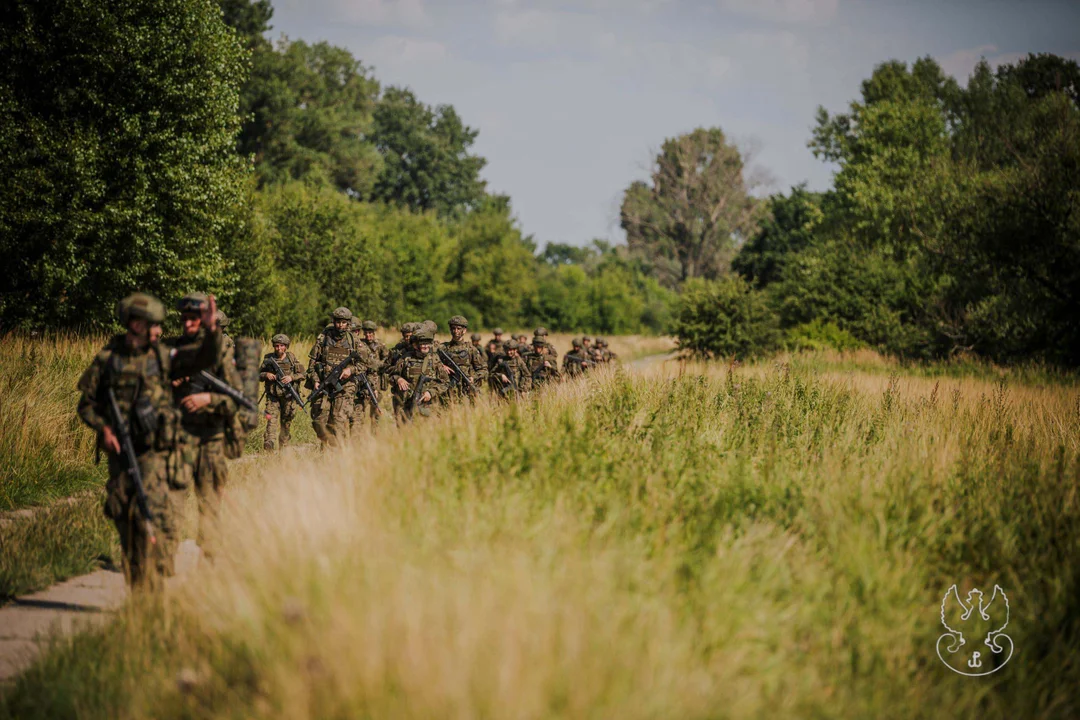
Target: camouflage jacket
[
  {"x": 142, "y": 376},
  {"x": 572, "y": 364},
  {"x": 414, "y": 366},
  {"x": 540, "y": 373},
  {"x": 289, "y": 365},
  {"x": 468, "y": 359},
  {"x": 519, "y": 372},
  {"x": 210, "y": 420},
  {"x": 330, "y": 348}
]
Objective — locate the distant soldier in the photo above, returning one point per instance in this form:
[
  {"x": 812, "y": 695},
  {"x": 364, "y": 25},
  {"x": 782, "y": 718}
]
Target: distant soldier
[
  {"x": 541, "y": 334},
  {"x": 512, "y": 373},
  {"x": 376, "y": 371},
  {"x": 419, "y": 379},
  {"x": 135, "y": 372},
  {"x": 575, "y": 362},
  {"x": 475, "y": 339},
  {"x": 498, "y": 337},
  {"x": 280, "y": 404},
  {"x": 606, "y": 356},
  {"x": 467, "y": 357},
  {"x": 403, "y": 348},
  {"x": 206, "y": 415},
  {"x": 330, "y": 413},
  {"x": 223, "y": 323},
  {"x": 543, "y": 366}
]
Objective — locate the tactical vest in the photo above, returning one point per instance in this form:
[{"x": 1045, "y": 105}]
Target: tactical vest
[
  {"x": 334, "y": 351},
  {"x": 140, "y": 384},
  {"x": 462, "y": 356},
  {"x": 288, "y": 365}
]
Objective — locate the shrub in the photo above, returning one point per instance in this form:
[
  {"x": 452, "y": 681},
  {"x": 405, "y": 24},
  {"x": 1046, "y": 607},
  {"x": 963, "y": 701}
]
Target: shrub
[{"x": 725, "y": 318}]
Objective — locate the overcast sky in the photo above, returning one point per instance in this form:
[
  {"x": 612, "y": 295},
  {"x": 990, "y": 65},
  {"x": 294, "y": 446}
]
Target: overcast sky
[{"x": 572, "y": 98}]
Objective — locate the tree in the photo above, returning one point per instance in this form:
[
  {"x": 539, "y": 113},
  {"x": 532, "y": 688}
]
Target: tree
[
  {"x": 426, "y": 160},
  {"x": 116, "y": 134},
  {"x": 787, "y": 229},
  {"x": 696, "y": 211}
]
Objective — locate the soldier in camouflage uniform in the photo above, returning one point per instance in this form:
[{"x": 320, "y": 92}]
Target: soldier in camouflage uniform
[
  {"x": 576, "y": 362},
  {"x": 467, "y": 357},
  {"x": 498, "y": 338},
  {"x": 330, "y": 415},
  {"x": 609, "y": 355},
  {"x": 280, "y": 405},
  {"x": 396, "y": 353},
  {"x": 475, "y": 339},
  {"x": 421, "y": 362},
  {"x": 138, "y": 371},
  {"x": 375, "y": 367},
  {"x": 542, "y": 363},
  {"x": 511, "y": 373},
  {"x": 541, "y": 334},
  {"x": 206, "y": 415}
]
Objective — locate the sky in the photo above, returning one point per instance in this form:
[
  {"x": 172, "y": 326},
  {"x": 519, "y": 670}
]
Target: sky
[{"x": 573, "y": 99}]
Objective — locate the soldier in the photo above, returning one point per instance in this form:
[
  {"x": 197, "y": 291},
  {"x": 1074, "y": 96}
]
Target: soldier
[
  {"x": 330, "y": 413},
  {"x": 512, "y": 373},
  {"x": 136, "y": 372},
  {"x": 467, "y": 357},
  {"x": 375, "y": 368},
  {"x": 541, "y": 334},
  {"x": 280, "y": 404},
  {"x": 609, "y": 355},
  {"x": 475, "y": 339},
  {"x": 575, "y": 362},
  {"x": 421, "y": 369},
  {"x": 542, "y": 364},
  {"x": 498, "y": 337},
  {"x": 223, "y": 323},
  {"x": 396, "y": 353},
  {"x": 206, "y": 415}
]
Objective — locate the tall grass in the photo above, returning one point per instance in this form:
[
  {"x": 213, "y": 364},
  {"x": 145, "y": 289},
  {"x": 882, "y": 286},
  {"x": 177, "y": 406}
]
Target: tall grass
[{"x": 698, "y": 542}]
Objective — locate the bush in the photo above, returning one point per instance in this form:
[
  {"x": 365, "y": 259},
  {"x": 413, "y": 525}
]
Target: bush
[
  {"x": 725, "y": 318},
  {"x": 821, "y": 335}
]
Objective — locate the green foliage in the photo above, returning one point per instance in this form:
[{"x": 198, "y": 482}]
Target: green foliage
[
  {"x": 788, "y": 228},
  {"x": 820, "y": 335},
  {"x": 687, "y": 223},
  {"x": 116, "y": 128},
  {"x": 725, "y": 318},
  {"x": 426, "y": 160}
]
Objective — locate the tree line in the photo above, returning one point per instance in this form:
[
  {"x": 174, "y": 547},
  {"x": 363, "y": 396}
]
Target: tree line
[{"x": 167, "y": 145}]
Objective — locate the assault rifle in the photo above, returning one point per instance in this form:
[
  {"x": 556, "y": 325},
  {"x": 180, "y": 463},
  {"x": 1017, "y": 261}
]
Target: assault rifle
[
  {"x": 331, "y": 382},
  {"x": 286, "y": 386},
  {"x": 574, "y": 358},
  {"x": 127, "y": 449},
  {"x": 417, "y": 393},
  {"x": 207, "y": 382},
  {"x": 370, "y": 392},
  {"x": 446, "y": 358}
]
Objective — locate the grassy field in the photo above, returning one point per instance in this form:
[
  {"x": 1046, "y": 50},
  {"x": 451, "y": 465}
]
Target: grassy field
[
  {"x": 771, "y": 540},
  {"x": 46, "y": 454}
]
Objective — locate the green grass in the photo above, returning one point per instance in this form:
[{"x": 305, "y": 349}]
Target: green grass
[{"x": 763, "y": 543}]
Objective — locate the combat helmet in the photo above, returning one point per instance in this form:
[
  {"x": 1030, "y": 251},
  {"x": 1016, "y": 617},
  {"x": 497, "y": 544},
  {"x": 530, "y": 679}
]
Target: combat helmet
[
  {"x": 475, "y": 337},
  {"x": 540, "y": 332},
  {"x": 192, "y": 302},
  {"x": 369, "y": 326},
  {"x": 498, "y": 331},
  {"x": 422, "y": 334},
  {"x": 140, "y": 305},
  {"x": 280, "y": 339},
  {"x": 576, "y": 342},
  {"x": 458, "y": 321},
  {"x": 342, "y": 313},
  {"x": 222, "y": 319}
]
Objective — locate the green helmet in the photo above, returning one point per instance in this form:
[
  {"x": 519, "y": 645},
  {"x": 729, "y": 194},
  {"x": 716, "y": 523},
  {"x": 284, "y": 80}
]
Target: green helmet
[
  {"x": 513, "y": 345},
  {"x": 280, "y": 339},
  {"x": 342, "y": 313},
  {"x": 193, "y": 302},
  {"x": 140, "y": 305},
  {"x": 498, "y": 331},
  {"x": 576, "y": 342},
  {"x": 423, "y": 335},
  {"x": 222, "y": 319},
  {"x": 538, "y": 341},
  {"x": 458, "y": 321},
  {"x": 475, "y": 337},
  {"x": 369, "y": 326},
  {"x": 430, "y": 327},
  {"x": 541, "y": 332}
]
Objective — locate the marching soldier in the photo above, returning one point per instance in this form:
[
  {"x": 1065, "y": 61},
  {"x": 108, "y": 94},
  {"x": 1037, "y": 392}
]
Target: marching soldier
[
  {"x": 419, "y": 379},
  {"x": 541, "y": 334},
  {"x": 543, "y": 366},
  {"x": 330, "y": 413},
  {"x": 280, "y": 403},
  {"x": 575, "y": 362},
  {"x": 512, "y": 373},
  {"x": 205, "y": 415},
  {"x": 498, "y": 338},
  {"x": 134, "y": 372},
  {"x": 466, "y": 356},
  {"x": 396, "y": 354},
  {"x": 475, "y": 338},
  {"x": 375, "y": 370}
]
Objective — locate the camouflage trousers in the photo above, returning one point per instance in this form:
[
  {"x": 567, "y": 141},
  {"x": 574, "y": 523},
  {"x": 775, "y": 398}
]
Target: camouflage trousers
[
  {"x": 364, "y": 405},
  {"x": 330, "y": 418},
  {"x": 166, "y": 479},
  {"x": 210, "y": 474},
  {"x": 279, "y": 416}
]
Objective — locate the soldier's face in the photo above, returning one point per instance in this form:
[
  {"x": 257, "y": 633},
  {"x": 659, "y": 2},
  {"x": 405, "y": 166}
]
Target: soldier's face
[
  {"x": 369, "y": 335},
  {"x": 155, "y": 332},
  {"x": 341, "y": 325},
  {"x": 424, "y": 348},
  {"x": 279, "y": 349},
  {"x": 498, "y": 337},
  {"x": 190, "y": 322},
  {"x": 458, "y": 332}
]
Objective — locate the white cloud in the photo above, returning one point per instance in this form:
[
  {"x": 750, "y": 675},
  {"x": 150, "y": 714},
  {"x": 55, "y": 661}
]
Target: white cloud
[{"x": 784, "y": 11}]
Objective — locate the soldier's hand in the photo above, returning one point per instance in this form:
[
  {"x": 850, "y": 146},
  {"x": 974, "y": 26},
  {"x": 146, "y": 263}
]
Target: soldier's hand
[
  {"x": 547, "y": 364},
  {"x": 346, "y": 373},
  {"x": 108, "y": 439},
  {"x": 287, "y": 379},
  {"x": 426, "y": 397},
  {"x": 317, "y": 384},
  {"x": 447, "y": 369},
  {"x": 209, "y": 315},
  {"x": 402, "y": 384},
  {"x": 179, "y": 381},
  {"x": 195, "y": 402},
  {"x": 504, "y": 378}
]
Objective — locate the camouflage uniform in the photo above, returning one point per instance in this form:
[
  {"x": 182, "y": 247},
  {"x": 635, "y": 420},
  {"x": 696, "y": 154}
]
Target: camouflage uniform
[
  {"x": 575, "y": 362},
  {"x": 541, "y": 354},
  {"x": 330, "y": 416},
  {"x": 280, "y": 406},
  {"x": 141, "y": 377},
  {"x": 467, "y": 357},
  {"x": 380, "y": 354},
  {"x": 540, "y": 337},
  {"x": 411, "y": 368},
  {"x": 516, "y": 369},
  {"x": 205, "y": 428},
  {"x": 475, "y": 338}
]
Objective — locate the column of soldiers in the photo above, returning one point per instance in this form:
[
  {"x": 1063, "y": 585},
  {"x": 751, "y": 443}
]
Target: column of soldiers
[{"x": 169, "y": 412}]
